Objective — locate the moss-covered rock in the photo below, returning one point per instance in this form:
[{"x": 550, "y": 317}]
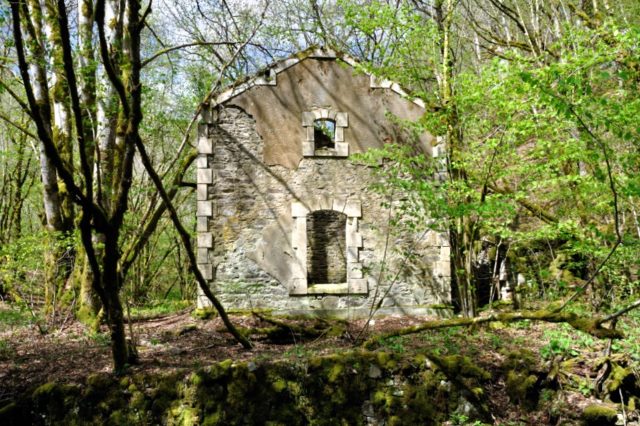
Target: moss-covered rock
[
  {"x": 458, "y": 365},
  {"x": 522, "y": 389},
  {"x": 54, "y": 400},
  {"x": 599, "y": 415},
  {"x": 523, "y": 378},
  {"x": 333, "y": 389},
  {"x": 620, "y": 378},
  {"x": 519, "y": 360},
  {"x": 205, "y": 313},
  {"x": 8, "y": 412}
]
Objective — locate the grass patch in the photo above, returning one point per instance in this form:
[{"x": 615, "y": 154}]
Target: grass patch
[
  {"x": 12, "y": 317},
  {"x": 162, "y": 307},
  {"x": 631, "y": 343},
  {"x": 6, "y": 350}
]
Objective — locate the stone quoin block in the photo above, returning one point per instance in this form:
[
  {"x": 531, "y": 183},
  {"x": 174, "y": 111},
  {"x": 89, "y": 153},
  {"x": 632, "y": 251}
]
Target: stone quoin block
[
  {"x": 355, "y": 271},
  {"x": 204, "y": 208},
  {"x": 206, "y": 270},
  {"x": 352, "y": 255},
  {"x": 204, "y": 176},
  {"x": 298, "y": 286},
  {"x": 342, "y": 149},
  {"x": 358, "y": 286},
  {"x": 205, "y": 240},
  {"x": 308, "y": 149},
  {"x": 202, "y": 255},
  {"x": 205, "y": 145},
  {"x": 202, "y": 224},
  {"x": 353, "y": 208},
  {"x": 311, "y": 133},
  {"x": 342, "y": 119},
  {"x": 202, "y": 191},
  {"x": 201, "y": 162},
  {"x": 299, "y": 210}
]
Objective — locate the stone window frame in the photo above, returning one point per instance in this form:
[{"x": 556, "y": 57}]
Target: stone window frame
[
  {"x": 356, "y": 283},
  {"x": 341, "y": 120}
]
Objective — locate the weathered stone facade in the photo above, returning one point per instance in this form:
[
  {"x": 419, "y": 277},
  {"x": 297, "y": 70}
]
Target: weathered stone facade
[{"x": 287, "y": 225}]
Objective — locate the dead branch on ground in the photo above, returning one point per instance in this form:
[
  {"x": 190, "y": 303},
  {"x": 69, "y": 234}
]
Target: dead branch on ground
[{"x": 590, "y": 325}]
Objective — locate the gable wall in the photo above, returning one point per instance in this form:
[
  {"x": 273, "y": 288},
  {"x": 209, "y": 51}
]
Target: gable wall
[
  {"x": 248, "y": 222},
  {"x": 315, "y": 83}
]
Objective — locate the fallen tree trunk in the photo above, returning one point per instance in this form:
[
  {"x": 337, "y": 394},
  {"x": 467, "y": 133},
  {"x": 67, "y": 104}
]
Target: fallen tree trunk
[
  {"x": 285, "y": 331},
  {"x": 592, "y": 325}
]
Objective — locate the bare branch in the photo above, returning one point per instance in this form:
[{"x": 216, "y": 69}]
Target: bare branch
[
  {"x": 186, "y": 242},
  {"x": 17, "y": 126},
  {"x": 616, "y": 211},
  {"x": 621, "y": 312},
  {"x": 183, "y": 46}
]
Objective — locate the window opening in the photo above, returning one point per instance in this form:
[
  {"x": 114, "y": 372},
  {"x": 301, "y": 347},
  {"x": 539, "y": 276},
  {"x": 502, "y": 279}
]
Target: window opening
[
  {"x": 326, "y": 247},
  {"x": 324, "y": 134}
]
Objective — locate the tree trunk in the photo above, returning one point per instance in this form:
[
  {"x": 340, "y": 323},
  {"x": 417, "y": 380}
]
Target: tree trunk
[
  {"x": 61, "y": 254},
  {"x": 115, "y": 316},
  {"x": 56, "y": 224},
  {"x": 88, "y": 303}
]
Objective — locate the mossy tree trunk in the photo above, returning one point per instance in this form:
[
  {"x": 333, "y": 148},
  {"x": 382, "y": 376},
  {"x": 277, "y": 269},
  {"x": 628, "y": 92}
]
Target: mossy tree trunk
[
  {"x": 41, "y": 36},
  {"x": 104, "y": 97},
  {"x": 98, "y": 217},
  {"x": 88, "y": 306},
  {"x": 463, "y": 230},
  {"x": 62, "y": 250}
]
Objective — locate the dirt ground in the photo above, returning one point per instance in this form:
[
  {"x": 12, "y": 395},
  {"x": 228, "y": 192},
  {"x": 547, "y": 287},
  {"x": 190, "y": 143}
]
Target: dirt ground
[
  {"x": 180, "y": 341},
  {"x": 71, "y": 353}
]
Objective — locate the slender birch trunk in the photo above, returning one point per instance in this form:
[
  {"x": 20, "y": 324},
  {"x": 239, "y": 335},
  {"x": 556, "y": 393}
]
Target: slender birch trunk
[
  {"x": 89, "y": 303},
  {"x": 38, "y": 39},
  {"x": 61, "y": 254}
]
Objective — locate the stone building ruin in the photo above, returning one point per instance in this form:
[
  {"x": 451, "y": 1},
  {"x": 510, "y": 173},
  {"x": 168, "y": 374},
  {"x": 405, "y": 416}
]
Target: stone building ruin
[{"x": 286, "y": 220}]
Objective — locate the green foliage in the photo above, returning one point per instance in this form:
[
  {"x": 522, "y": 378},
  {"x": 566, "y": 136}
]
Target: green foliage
[
  {"x": 537, "y": 140},
  {"x": 458, "y": 419},
  {"x": 6, "y": 350},
  {"x": 13, "y": 316},
  {"x": 160, "y": 307},
  {"x": 297, "y": 351},
  {"x": 396, "y": 344},
  {"x": 21, "y": 270},
  {"x": 557, "y": 346},
  {"x": 100, "y": 339},
  {"x": 631, "y": 344},
  {"x": 566, "y": 342}
]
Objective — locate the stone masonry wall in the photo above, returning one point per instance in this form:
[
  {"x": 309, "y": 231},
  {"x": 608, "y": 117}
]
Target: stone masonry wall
[{"x": 245, "y": 228}]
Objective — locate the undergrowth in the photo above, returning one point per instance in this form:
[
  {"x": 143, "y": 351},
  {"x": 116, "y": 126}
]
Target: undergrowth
[
  {"x": 13, "y": 317},
  {"x": 160, "y": 307}
]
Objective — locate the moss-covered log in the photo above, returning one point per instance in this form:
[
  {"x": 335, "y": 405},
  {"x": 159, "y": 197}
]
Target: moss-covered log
[
  {"x": 592, "y": 325},
  {"x": 282, "y": 331}
]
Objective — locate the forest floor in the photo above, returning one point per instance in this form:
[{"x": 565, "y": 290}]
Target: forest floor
[{"x": 178, "y": 340}]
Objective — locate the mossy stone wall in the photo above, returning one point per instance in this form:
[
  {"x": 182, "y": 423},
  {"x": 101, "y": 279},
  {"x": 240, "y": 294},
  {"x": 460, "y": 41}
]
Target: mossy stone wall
[{"x": 349, "y": 388}]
